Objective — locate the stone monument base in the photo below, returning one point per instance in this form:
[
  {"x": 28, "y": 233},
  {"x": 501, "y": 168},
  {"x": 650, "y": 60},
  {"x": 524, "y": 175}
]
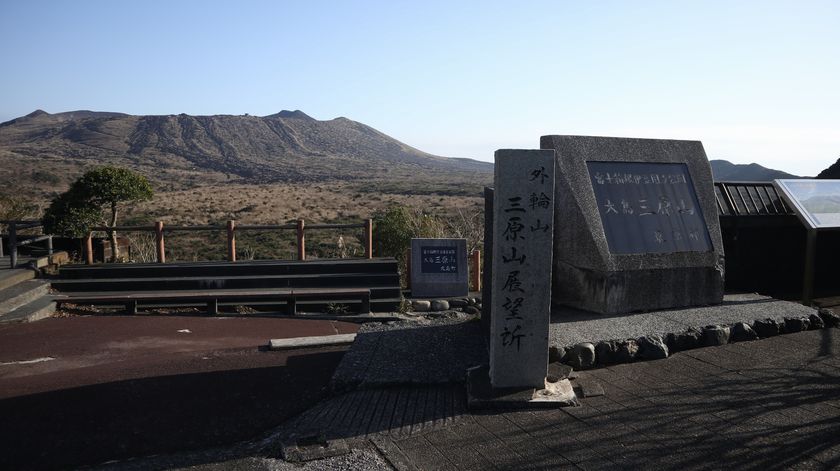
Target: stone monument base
[
  {"x": 558, "y": 392},
  {"x": 621, "y": 292}
]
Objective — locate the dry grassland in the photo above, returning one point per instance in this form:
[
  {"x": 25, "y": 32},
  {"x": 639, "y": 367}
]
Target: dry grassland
[{"x": 276, "y": 204}]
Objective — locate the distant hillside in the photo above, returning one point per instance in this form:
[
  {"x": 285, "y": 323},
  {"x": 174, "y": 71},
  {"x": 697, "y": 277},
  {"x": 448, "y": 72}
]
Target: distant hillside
[
  {"x": 178, "y": 151},
  {"x": 832, "y": 172},
  {"x": 723, "y": 170}
]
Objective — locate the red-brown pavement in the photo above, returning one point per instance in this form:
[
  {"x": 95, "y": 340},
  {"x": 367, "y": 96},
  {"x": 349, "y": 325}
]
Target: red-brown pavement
[{"x": 113, "y": 387}]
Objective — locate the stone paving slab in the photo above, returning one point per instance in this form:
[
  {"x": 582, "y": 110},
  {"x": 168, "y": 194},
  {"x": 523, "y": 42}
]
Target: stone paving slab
[
  {"x": 310, "y": 342},
  {"x": 571, "y": 326}
]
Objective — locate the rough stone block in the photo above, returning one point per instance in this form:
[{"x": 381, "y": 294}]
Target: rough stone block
[
  {"x": 458, "y": 303},
  {"x": 605, "y": 352},
  {"x": 556, "y": 354},
  {"x": 610, "y": 352},
  {"x": 816, "y": 322},
  {"x": 766, "y": 328},
  {"x": 652, "y": 347},
  {"x": 627, "y": 351},
  {"x": 715, "y": 335},
  {"x": 581, "y": 356},
  {"x": 796, "y": 324},
  {"x": 687, "y": 340},
  {"x": 829, "y": 317},
  {"x": 420, "y": 305},
  {"x": 742, "y": 332},
  {"x": 440, "y": 305},
  {"x": 558, "y": 371}
]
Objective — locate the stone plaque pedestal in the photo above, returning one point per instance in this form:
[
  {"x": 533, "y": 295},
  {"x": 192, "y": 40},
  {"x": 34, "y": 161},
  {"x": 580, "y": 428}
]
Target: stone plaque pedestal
[{"x": 636, "y": 225}]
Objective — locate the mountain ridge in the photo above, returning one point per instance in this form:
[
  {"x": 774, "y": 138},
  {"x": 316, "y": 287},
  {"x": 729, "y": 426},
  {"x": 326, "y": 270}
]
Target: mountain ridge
[
  {"x": 178, "y": 150},
  {"x": 724, "y": 170}
]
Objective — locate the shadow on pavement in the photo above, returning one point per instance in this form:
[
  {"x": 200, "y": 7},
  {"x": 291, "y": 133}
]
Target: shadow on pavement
[{"x": 118, "y": 420}]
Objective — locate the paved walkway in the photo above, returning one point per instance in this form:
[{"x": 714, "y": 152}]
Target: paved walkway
[
  {"x": 766, "y": 404},
  {"x": 84, "y": 390}
]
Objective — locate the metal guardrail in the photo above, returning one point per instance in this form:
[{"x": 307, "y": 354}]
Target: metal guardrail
[
  {"x": 16, "y": 240},
  {"x": 749, "y": 199}
]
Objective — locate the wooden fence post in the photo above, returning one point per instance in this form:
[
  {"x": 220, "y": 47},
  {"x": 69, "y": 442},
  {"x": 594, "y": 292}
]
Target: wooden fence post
[
  {"x": 161, "y": 252},
  {"x": 369, "y": 238},
  {"x": 13, "y": 252},
  {"x": 89, "y": 248},
  {"x": 475, "y": 270},
  {"x": 231, "y": 233},
  {"x": 301, "y": 240}
]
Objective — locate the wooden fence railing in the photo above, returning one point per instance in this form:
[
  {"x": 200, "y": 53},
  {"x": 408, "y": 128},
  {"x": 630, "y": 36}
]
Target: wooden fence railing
[
  {"x": 231, "y": 228},
  {"x": 16, "y": 241}
]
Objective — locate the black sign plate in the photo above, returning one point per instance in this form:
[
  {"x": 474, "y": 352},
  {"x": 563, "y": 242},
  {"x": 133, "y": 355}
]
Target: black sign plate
[
  {"x": 438, "y": 259},
  {"x": 649, "y": 207}
]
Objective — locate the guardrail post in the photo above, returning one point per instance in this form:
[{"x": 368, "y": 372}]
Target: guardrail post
[
  {"x": 13, "y": 254},
  {"x": 301, "y": 240},
  {"x": 161, "y": 252},
  {"x": 369, "y": 238},
  {"x": 231, "y": 233},
  {"x": 89, "y": 248},
  {"x": 49, "y": 246},
  {"x": 475, "y": 270}
]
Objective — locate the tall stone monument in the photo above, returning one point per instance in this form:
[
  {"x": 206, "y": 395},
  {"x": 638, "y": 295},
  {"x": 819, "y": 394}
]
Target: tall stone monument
[
  {"x": 523, "y": 224},
  {"x": 636, "y": 226}
]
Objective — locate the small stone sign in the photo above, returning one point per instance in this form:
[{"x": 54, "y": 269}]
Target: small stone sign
[
  {"x": 439, "y": 267},
  {"x": 523, "y": 231}
]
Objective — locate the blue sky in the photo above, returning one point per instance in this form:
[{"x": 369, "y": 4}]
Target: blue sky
[{"x": 755, "y": 81}]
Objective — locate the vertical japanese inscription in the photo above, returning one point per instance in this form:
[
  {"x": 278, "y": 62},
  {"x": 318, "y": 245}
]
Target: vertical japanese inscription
[{"x": 523, "y": 232}]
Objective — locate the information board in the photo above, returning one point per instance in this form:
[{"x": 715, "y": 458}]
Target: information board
[
  {"x": 648, "y": 207},
  {"x": 438, "y": 259},
  {"x": 817, "y": 202}
]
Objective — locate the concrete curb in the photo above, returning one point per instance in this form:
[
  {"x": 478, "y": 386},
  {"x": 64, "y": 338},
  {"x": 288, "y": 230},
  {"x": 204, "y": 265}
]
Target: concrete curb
[{"x": 309, "y": 342}]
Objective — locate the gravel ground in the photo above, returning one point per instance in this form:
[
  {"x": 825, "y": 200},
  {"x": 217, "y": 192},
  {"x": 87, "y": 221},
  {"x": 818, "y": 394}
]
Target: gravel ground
[
  {"x": 423, "y": 351},
  {"x": 357, "y": 460}
]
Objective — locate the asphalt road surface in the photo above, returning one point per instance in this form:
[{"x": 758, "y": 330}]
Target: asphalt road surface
[{"x": 85, "y": 390}]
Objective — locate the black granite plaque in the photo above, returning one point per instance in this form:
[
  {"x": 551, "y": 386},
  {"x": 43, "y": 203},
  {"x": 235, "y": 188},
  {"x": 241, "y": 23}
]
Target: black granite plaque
[
  {"x": 438, "y": 259},
  {"x": 648, "y": 207}
]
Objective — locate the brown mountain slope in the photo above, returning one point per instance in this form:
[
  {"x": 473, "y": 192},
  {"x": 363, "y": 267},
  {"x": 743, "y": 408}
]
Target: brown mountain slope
[{"x": 180, "y": 151}]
